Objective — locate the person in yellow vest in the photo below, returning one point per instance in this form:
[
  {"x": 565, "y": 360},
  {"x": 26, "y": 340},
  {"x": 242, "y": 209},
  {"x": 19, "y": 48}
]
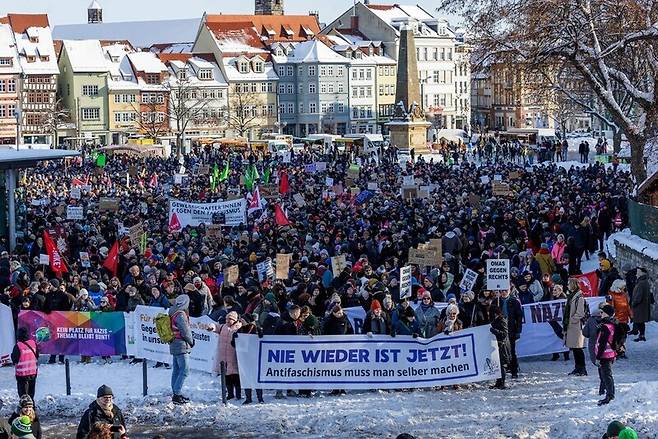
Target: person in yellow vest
[{"x": 25, "y": 357}]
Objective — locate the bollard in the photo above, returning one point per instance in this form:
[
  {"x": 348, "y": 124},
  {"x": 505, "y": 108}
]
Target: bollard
[
  {"x": 222, "y": 368},
  {"x": 145, "y": 378},
  {"x": 67, "y": 369}
]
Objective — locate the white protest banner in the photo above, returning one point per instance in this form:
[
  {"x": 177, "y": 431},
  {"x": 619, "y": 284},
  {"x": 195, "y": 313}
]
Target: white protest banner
[
  {"x": 362, "y": 362},
  {"x": 149, "y": 346},
  {"x": 498, "y": 177},
  {"x": 542, "y": 327},
  {"x": 44, "y": 260},
  {"x": 338, "y": 264},
  {"x": 320, "y": 166},
  {"x": 7, "y": 339},
  {"x": 372, "y": 186},
  {"x": 285, "y": 156},
  {"x": 328, "y": 181},
  {"x": 193, "y": 214},
  {"x": 310, "y": 168},
  {"x": 408, "y": 181},
  {"x": 498, "y": 274},
  {"x": 468, "y": 280},
  {"x": 485, "y": 179},
  {"x": 405, "y": 281},
  {"x": 75, "y": 193},
  {"x": 74, "y": 212},
  {"x": 265, "y": 270}
]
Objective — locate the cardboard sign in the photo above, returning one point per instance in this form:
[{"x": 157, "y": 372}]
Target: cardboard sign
[
  {"x": 232, "y": 274},
  {"x": 423, "y": 193},
  {"x": 204, "y": 170},
  {"x": 498, "y": 274},
  {"x": 268, "y": 191},
  {"x": 514, "y": 175},
  {"x": 75, "y": 213},
  {"x": 44, "y": 260},
  {"x": 353, "y": 172},
  {"x": 437, "y": 246},
  {"x": 372, "y": 186},
  {"x": 60, "y": 210},
  {"x": 76, "y": 193},
  {"x": 299, "y": 200},
  {"x": 468, "y": 281},
  {"x": 409, "y": 193},
  {"x": 355, "y": 191},
  {"x": 423, "y": 257},
  {"x": 405, "y": 281},
  {"x": 283, "y": 265},
  {"x": 108, "y": 204},
  {"x": 338, "y": 263},
  {"x": 84, "y": 260},
  {"x": 408, "y": 181},
  {"x": 501, "y": 189},
  {"x": 132, "y": 171},
  {"x": 214, "y": 231},
  {"x": 135, "y": 233}
]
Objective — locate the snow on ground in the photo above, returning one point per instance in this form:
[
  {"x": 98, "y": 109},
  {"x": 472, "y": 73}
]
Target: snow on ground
[
  {"x": 633, "y": 241},
  {"x": 544, "y": 403}
]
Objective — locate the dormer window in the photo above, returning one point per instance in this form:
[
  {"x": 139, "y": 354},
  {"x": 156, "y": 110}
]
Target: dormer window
[
  {"x": 243, "y": 66},
  {"x": 115, "y": 59},
  {"x": 258, "y": 66},
  {"x": 442, "y": 30},
  {"x": 45, "y": 58},
  {"x": 279, "y": 51},
  {"x": 182, "y": 74},
  {"x": 6, "y": 62},
  {"x": 152, "y": 78},
  {"x": 358, "y": 54},
  {"x": 31, "y": 58},
  {"x": 205, "y": 74}
]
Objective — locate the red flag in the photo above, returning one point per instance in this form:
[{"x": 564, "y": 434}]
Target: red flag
[
  {"x": 76, "y": 182},
  {"x": 280, "y": 217},
  {"x": 112, "y": 260},
  {"x": 589, "y": 284},
  {"x": 174, "y": 223},
  {"x": 255, "y": 202},
  {"x": 154, "y": 180},
  {"x": 56, "y": 262},
  {"x": 284, "y": 187}
]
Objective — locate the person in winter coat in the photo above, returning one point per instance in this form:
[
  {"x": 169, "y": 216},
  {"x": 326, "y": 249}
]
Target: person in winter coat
[
  {"x": 25, "y": 356},
  {"x": 26, "y": 408},
  {"x": 289, "y": 323},
  {"x": 558, "y": 251},
  {"x": 376, "y": 321},
  {"x": 57, "y": 299},
  {"x": 197, "y": 300},
  {"x": 622, "y": 311},
  {"x": 523, "y": 293},
  {"x": 605, "y": 352},
  {"x": 482, "y": 308},
  {"x": 590, "y": 329},
  {"x": 435, "y": 292},
  {"x": 158, "y": 299},
  {"x": 310, "y": 323},
  {"x": 467, "y": 309},
  {"x": 134, "y": 298},
  {"x": 83, "y": 302},
  {"x": 337, "y": 323},
  {"x": 545, "y": 260},
  {"x": 499, "y": 328},
  {"x": 101, "y": 410},
  {"x": 266, "y": 306},
  {"x": 180, "y": 347},
  {"x": 572, "y": 324},
  {"x": 608, "y": 274},
  {"x": 534, "y": 286},
  {"x": 407, "y": 323},
  {"x": 641, "y": 304},
  {"x": 447, "y": 286},
  {"x": 226, "y": 353},
  {"x": 514, "y": 314},
  {"x": 450, "y": 322},
  {"x": 427, "y": 316}
]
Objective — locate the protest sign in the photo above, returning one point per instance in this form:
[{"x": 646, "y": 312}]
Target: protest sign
[
  {"x": 422, "y": 257},
  {"x": 362, "y": 362},
  {"x": 44, "y": 260},
  {"x": 204, "y": 170},
  {"x": 498, "y": 274},
  {"x": 405, "y": 281},
  {"x": 108, "y": 204},
  {"x": 514, "y": 175},
  {"x": 409, "y": 193},
  {"x": 436, "y": 245},
  {"x": 135, "y": 233},
  {"x": 132, "y": 171},
  {"x": 265, "y": 270},
  {"x": 468, "y": 281},
  {"x": 299, "y": 200},
  {"x": 232, "y": 274},
  {"x": 76, "y": 193},
  {"x": 328, "y": 181},
  {"x": 408, "y": 181},
  {"x": 147, "y": 343},
  {"x": 338, "y": 189},
  {"x": 500, "y": 189},
  {"x": 498, "y": 177},
  {"x": 320, "y": 166},
  {"x": 485, "y": 179},
  {"x": 310, "y": 168},
  {"x": 372, "y": 186},
  {"x": 75, "y": 213},
  {"x": 214, "y": 231},
  {"x": 363, "y": 197},
  {"x": 338, "y": 263},
  {"x": 353, "y": 172},
  {"x": 234, "y": 213},
  {"x": 283, "y": 265},
  {"x": 84, "y": 260},
  {"x": 76, "y": 333},
  {"x": 7, "y": 339}
]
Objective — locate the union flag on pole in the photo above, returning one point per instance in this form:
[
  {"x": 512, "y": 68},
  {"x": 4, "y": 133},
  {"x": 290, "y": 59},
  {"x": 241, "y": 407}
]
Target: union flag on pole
[
  {"x": 57, "y": 264},
  {"x": 256, "y": 202},
  {"x": 174, "y": 223},
  {"x": 589, "y": 284}
]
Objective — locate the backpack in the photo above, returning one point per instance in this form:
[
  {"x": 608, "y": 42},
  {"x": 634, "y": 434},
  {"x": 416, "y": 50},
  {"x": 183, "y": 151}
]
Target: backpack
[
  {"x": 163, "y": 328},
  {"x": 587, "y": 313}
]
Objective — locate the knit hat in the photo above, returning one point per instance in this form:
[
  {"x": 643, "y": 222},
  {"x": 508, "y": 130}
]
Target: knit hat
[
  {"x": 270, "y": 297},
  {"x": 232, "y": 316},
  {"x": 627, "y": 433},
  {"x": 375, "y": 305},
  {"x": 605, "y": 265},
  {"x": 22, "y": 426},
  {"x": 409, "y": 312},
  {"x": 25, "y": 401},
  {"x": 189, "y": 287},
  {"x": 556, "y": 278},
  {"x": 618, "y": 285},
  {"x": 614, "y": 428},
  {"x": 609, "y": 310},
  {"x": 54, "y": 283},
  {"x": 104, "y": 390}
]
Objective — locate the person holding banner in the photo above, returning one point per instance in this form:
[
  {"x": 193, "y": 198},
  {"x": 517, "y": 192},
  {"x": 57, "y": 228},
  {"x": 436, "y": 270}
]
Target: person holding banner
[
  {"x": 428, "y": 316},
  {"x": 511, "y": 308},
  {"x": 572, "y": 325},
  {"x": 180, "y": 347},
  {"x": 499, "y": 328},
  {"x": 226, "y": 353}
]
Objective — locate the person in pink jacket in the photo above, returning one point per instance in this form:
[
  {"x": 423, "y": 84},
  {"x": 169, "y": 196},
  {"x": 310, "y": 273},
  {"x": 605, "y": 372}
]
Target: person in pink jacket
[
  {"x": 557, "y": 252},
  {"x": 605, "y": 351},
  {"x": 226, "y": 353}
]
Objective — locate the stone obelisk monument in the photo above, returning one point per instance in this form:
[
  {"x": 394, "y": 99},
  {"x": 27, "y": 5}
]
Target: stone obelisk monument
[{"x": 408, "y": 126}]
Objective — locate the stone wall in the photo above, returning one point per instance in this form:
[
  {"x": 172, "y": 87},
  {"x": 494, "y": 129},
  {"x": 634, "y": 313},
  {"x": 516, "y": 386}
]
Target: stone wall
[{"x": 627, "y": 255}]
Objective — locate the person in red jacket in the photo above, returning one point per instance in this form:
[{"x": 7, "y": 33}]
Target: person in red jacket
[{"x": 25, "y": 357}]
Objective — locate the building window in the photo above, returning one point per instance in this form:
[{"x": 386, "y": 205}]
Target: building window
[
  {"x": 339, "y": 71},
  {"x": 270, "y": 87},
  {"x": 282, "y": 89},
  {"x": 281, "y": 71},
  {"x": 323, "y": 107},
  {"x": 290, "y": 89},
  {"x": 2, "y": 86},
  {"x": 341, "y": 107},
  {"x": 206, "y": 74},
  {"x": 323, "y": 88},
  {"x": 313, "y": 108},
  {"x": 323, "y": 71},
  {"x": 300, "y": 70},
  {"x": 6, "y": 62},
  {"x": 291, "y": 108},
  {"x": 341, "y": 87},
  {"x": 243, "y": 67},
  {"x": 3, "y": 111},
  {"x": 311, "y": 70},
  {"x": 330, "y": 70},
  {"x": 152, "y": 78},
  {"x": 355, "y": 112},
  {"x": 91, "y": 113},
  {"x": 258, "y": 67},
  {"x": 330, "y": 87},
  {"x": 90, "y": 90},
  {"x": 117, "y": 99},
  {"x": 301, "y": 108},
  {"x": 11, "y": 85},
  {"x": 312, "y": 88},
  {"x": 117, "y": 117},
  {"x": 289, "y": 71}
]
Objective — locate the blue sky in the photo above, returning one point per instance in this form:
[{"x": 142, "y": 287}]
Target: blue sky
[{"x": 75, "y": 11}]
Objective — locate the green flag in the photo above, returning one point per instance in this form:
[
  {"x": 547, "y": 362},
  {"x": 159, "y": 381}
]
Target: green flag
[
  {"x": 213, "y": 182},
  {"x": 142, "y": 243},
  {"x": 101, "y": 160},
  {"x": 225, "y": 171},
  {"x": 266, "y": 175},
  {"x": 249, "y": 179}
]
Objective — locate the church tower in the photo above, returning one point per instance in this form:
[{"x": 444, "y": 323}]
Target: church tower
[
  {"x": 94, "y": 13},
  {"x": 269, "y": 7}
]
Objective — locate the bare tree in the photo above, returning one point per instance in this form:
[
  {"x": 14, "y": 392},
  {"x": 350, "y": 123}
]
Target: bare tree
[
  {"x": 612, "y": 44},
  {"x": 152, "y": 118},
  {"x": 243, "y": 112},
  {"x": 54, "y": 117}
]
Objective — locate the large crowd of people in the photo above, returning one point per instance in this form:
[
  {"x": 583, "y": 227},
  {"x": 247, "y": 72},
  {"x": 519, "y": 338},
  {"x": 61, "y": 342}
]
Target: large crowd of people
[{"x": 550, "y": 222}]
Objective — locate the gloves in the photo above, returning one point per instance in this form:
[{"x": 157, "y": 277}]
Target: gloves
[
  {"x": 393, "y": 334},
  {"x": 491, "y": 329},
  {"x": 260, "y": 333},
  {"x": 414, "y": 335},
  {"x": 369, "y": 334}
]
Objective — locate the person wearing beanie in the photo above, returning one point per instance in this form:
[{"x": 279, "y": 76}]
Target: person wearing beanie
[
  {"x": 450, "y": 322},
  {"x": 545, "y": 260},
  {"x": 226, "y": 353},
  {"x": 26, "y": 408},
  {"x": 180, "y": 347},
  {"x": 57, "y": 299},
  {"x": 605, "y": 350},
  {"x": 102, "y": 410},
  {"x": 21, "y": 427},
  {"x": 427, "y": 316},
  {"x": 617, "y": 430},
  {"x": 376, "y": 321},
  {"x": 407, "y": 323},
  {"x": 25, "y": 357},
  {"x": 607, "y": 273},
  {"x": 641, "y": 303}
]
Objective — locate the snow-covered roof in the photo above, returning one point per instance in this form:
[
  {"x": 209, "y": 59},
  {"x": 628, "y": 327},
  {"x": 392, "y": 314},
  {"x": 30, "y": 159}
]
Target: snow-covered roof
[
  {"x": 141, "y": 34},
  {"x": 85, "y": 56},
  {"x": 45, "y": 62},
  {"x": 236, "y": 45},
  {"x": 193, "y": 66},
  {"x": 233, "y": 75},
  {"x": 172, "y": 48},
  {"x": 397, "y": 15},
  {"x": 122, "y": 76},
  {"x": 309, "y": 52},
  {"x": 8, "y": 50},
  {"x": 147, "y": 62},
  {"x": 94, "y": 5}
]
